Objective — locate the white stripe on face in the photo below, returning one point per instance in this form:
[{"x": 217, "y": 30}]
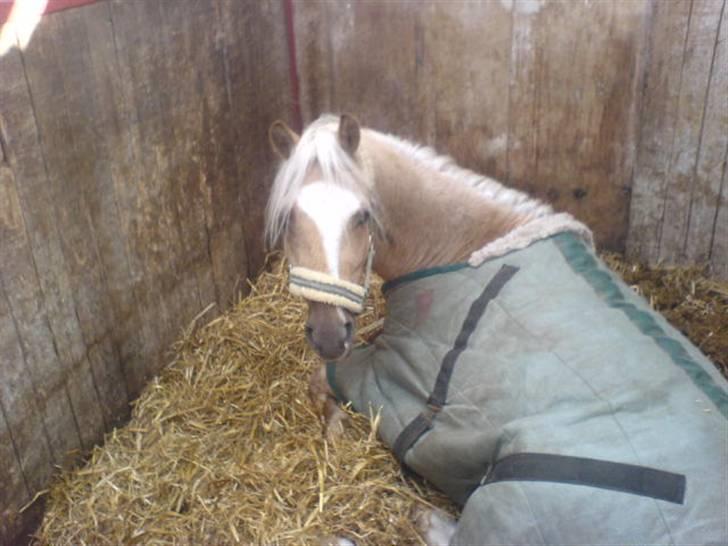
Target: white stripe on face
[{"x": 330, "y": 207}]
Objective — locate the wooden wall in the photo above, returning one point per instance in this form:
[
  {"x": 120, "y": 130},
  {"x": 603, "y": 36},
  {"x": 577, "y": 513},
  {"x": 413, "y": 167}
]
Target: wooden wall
[
  {"x": 134, "y": 161},
  {"x": 133, "y": 176},
  {"x": 612, "y": 110},
  {"x": 679, "y": 211}
]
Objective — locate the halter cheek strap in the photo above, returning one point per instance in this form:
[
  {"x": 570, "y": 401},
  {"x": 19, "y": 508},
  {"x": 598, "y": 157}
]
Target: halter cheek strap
[{"x": 324, "y": 288}]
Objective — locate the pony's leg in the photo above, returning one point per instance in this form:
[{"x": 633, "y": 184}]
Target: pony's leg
[
  {"x": 325, "y": 404},
  {"x": 436, "y": 527},
  {"x": 334, "y": 419}
]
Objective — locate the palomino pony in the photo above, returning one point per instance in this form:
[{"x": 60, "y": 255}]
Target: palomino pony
[{"x": 465, "y": 402}]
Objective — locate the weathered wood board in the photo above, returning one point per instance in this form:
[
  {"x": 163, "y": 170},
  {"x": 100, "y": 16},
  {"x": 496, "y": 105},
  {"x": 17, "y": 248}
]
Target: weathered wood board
[
  {"x": 707, "y": 223},
  {"x": 691, "y": 146},
  {"x": 35, "y": 283},
  {"x": 134, "y": 166},
  {"x": 539, "y": 94},
  {"x": 134, "y": 163},
  {"x": 677, "y": 215},
  {"x": 614, "y": 111},
  {"x": 719, "y": 249}
]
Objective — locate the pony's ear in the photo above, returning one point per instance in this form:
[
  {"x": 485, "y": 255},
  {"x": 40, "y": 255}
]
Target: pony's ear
[
  {"x": 349, "y": 133},
  {"x": 282, "y": 139}
]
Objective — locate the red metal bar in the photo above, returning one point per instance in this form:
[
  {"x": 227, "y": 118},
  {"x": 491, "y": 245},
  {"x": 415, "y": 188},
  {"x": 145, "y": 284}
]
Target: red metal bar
[
  {"x": 293, "y": 65},
  {"x": 5, "y": 8},
  {"x": 53, "y": 5}
]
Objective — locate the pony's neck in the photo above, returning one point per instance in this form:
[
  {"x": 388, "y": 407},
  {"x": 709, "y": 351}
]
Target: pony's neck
[{"x": 429, "y": 218}]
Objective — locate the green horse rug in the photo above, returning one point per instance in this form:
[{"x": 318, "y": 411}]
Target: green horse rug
[{"x": 547, "y": 399}]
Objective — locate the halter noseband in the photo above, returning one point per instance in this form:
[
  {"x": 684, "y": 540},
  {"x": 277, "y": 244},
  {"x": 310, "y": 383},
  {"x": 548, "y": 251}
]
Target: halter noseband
[{"x": 324, "y": 288}]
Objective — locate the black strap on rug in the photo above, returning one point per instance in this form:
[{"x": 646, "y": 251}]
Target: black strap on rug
[
  {"x": 627, "y": 478},
  {"x": 423, "y": 422},
  {"x": 541, "y": 467}
]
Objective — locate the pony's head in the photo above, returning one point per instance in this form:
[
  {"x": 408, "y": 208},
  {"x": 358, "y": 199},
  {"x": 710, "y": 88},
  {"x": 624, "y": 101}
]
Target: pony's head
[{"x": 322, "y": 208}]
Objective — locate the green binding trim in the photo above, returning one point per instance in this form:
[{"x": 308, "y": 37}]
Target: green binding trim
[
  {"x": 583, "y": 263},
  {"x": 331, "y": 379},
  {"x": 422, "y": 273}
]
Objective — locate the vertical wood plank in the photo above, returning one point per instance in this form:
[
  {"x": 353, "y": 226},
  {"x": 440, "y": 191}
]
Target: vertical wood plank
[
  {"x": 364, "y": 58},
  {"x": 133, "y": 175},
  {"x": 690, "y": 112},
  {"x": 712, "y": 149},
  {"x": 408, "y": 68},
  {"x": 313, "y": 57},
  {"x": 377, "y": 86},
  {"x": 214, "y": 180},
  {"x": 572, "y": 120},
  {"x": 522, "y": 145},
  {"x": 34, "y": 275},
  {"x": 130, "y": 338},
  {"x": 499, "y": 85},
  {"x": 30, "y": 446},
  {"x": 267, "y": 21},
  {"x": 144, "y": 184},
  {"x": 719, "y": 250},
  {"x": 230, "y": 162},
  {"x": 182, "y": 57},
  {"x": 11, "y": 474},
  {"x": 463, "y": 91},
  {"x": 58, "y": 70},
  {"x": 660, "y": 101},
  {"x": 191, "y": 46},
  {"x": 259, "y": 94}
]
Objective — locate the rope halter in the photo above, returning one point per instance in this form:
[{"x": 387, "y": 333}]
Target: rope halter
[{"x": 324, "y": 288}]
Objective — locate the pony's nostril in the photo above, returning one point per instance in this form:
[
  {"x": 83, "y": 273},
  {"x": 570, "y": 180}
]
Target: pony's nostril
[
  {"x": 349, "y": 328},
  {"x": 309, "y": 332}
]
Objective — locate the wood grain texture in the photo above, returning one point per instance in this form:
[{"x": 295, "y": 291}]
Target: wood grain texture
[
  {"x": 712, "y": 155},
  {"x": 146, "y": 179},
  {"x": 690, "y": 118},
  {"x": 57, "y": 69},
  {"x": 613, "y": 111},
  {"x": 719, "y": 250},
  {"x": 25, "y": 429},
  {"x": 34, "y": 279},
  {"x": 134, "y": 163},
  {"x": 675, "y": 211},
  {"x": 253, "y": 46},
  {"x": 573, "y": 125},
  {"x": 501, "y": 86},
  {"x": 11, "y": 474},
  {"x": 469, "y": 105},
  {"x": 134, "y": 169},
  {"x": 390, "y": 63},
  {"x": 657, "y": 126},
  {"x": 314, "y": 61}
]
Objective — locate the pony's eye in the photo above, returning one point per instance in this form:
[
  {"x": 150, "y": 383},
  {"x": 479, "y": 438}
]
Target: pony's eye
[{"x": 362, "y": 217}]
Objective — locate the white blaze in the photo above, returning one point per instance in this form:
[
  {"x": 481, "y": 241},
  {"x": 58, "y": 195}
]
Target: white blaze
[{"x": 330, "y": 207}]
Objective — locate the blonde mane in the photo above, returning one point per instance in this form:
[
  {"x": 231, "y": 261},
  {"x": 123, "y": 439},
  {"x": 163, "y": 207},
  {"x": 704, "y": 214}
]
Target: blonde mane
[
  {"x": 489, "y": 188},
  {"x": 319, "y": 146}
]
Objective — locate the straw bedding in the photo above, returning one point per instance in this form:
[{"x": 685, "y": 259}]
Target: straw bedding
[
  {"x": 223, "y": 447},
  {"x": 688, "y": 298}
]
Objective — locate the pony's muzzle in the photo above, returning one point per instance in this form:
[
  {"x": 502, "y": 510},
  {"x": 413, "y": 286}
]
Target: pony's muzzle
[{"x": 329, "y": 330}]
